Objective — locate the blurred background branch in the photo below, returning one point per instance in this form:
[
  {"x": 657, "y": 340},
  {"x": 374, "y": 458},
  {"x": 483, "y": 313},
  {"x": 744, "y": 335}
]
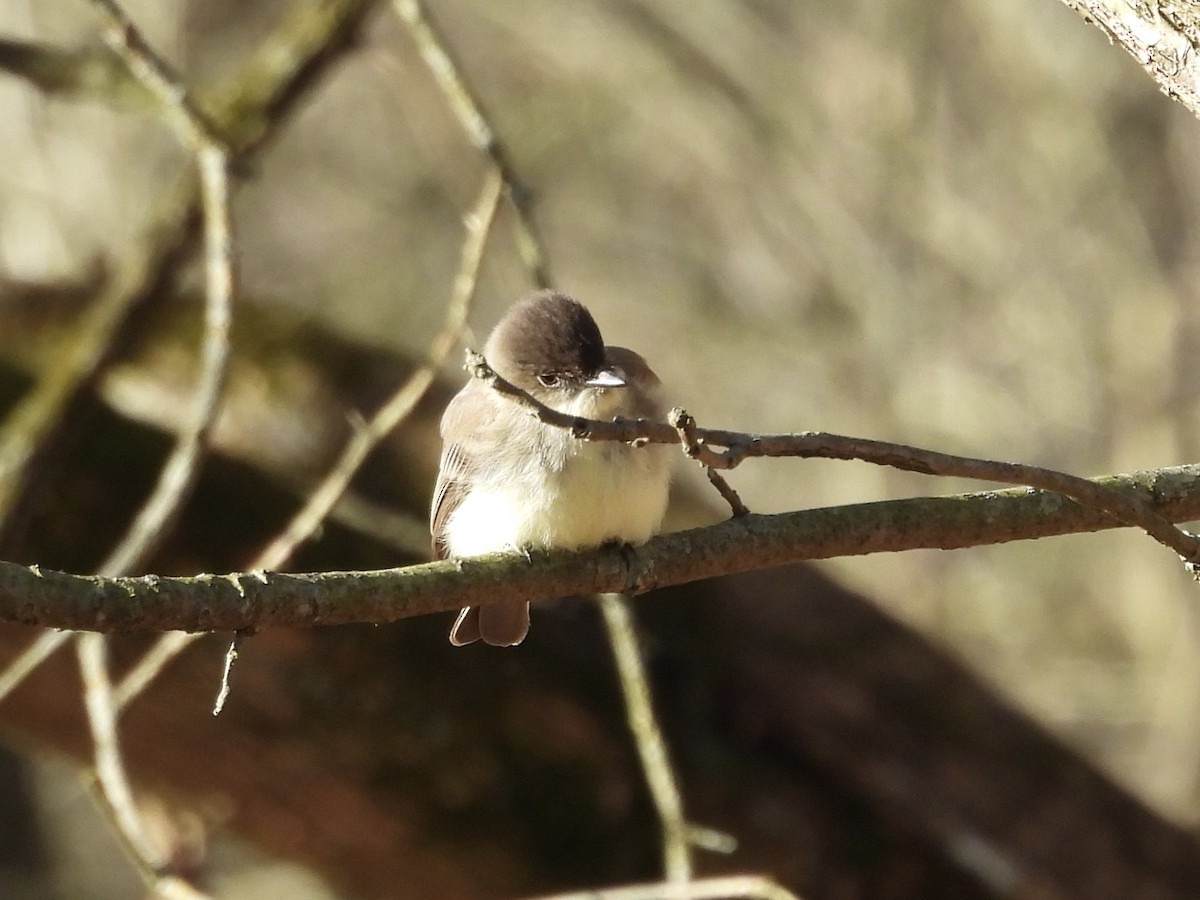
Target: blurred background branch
[
  {"x": 179, "y": 473},
  {"x": 247, "y": 109}
]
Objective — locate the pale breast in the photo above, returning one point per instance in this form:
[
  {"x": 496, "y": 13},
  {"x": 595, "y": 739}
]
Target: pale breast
[{"x": 601, "y": 492}]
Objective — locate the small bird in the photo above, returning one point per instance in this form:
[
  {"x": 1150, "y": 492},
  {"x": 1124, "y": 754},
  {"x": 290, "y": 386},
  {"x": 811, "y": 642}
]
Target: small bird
[{"x": 507, "y": 481}]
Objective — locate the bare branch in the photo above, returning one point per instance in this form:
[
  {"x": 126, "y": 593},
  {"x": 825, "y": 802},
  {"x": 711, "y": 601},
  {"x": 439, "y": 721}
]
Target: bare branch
[
  {"x": 179, "y": 474},
  {"x": 153, "y": 73},
  {"x": 115, "y": 794},
  {"x": 33, "y": 596},
  {"x": 685, "y": 425}
]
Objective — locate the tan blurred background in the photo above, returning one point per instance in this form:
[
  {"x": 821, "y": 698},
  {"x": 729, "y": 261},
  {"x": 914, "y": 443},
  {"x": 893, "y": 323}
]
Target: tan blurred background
[{"x": 966, "y": 226}]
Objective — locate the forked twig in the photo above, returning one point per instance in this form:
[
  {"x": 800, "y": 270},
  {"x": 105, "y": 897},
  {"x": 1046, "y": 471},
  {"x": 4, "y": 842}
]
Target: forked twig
[{"x": 685, "y": 425}]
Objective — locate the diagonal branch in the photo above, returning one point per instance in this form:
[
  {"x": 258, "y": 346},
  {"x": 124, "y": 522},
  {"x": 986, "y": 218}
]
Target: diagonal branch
[
  {"x": 115, "y": 790},
  {"x": 153, "y": 74},
  {"x": 179, "y": 473},
  {"x": 468, "y": 109},
  {"x": 479, "y": 225},
  {"x": 479, "y": 222},
  {"x": 648, "y": 737}
]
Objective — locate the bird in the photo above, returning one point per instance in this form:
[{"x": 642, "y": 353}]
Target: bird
[{"x": 507, "y": 481}]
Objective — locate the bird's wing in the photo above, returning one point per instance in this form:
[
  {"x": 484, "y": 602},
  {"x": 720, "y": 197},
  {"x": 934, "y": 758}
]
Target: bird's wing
[{"x": 470, "y": 416}]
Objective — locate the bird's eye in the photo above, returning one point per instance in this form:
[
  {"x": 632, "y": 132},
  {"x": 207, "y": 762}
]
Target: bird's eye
[{"x": 547, "y": 379}]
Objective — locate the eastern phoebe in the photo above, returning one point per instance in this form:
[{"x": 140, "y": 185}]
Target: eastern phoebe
[{"x": 507, "y": 482}]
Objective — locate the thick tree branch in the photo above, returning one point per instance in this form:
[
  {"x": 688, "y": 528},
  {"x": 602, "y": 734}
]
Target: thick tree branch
[
  {"x": 244, "y": 601},
  {"x": 1162, "y": 35}
]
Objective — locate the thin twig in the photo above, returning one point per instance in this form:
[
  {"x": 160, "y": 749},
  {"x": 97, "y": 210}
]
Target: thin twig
[
  {"x": 469, "y": 110},
  {"x": 685, "y": 426},
  {"x": 110, "y": 771},
  {"x": 401, "y": 404},
  {"x": 149, "y": 664},
  {"x": 231, "y": 656},
  {"x": 1127, "y": 508},
  {"x": 180, "y": 471},
  {"x": 725, "y": 489},
  {"x": 42, "y": 648},
  {"x": 749, "y": 887},
  {"x": 179, "y": 474},
  {"x": 648, "y": 737},
  {"x": 109, "y": 786}
]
